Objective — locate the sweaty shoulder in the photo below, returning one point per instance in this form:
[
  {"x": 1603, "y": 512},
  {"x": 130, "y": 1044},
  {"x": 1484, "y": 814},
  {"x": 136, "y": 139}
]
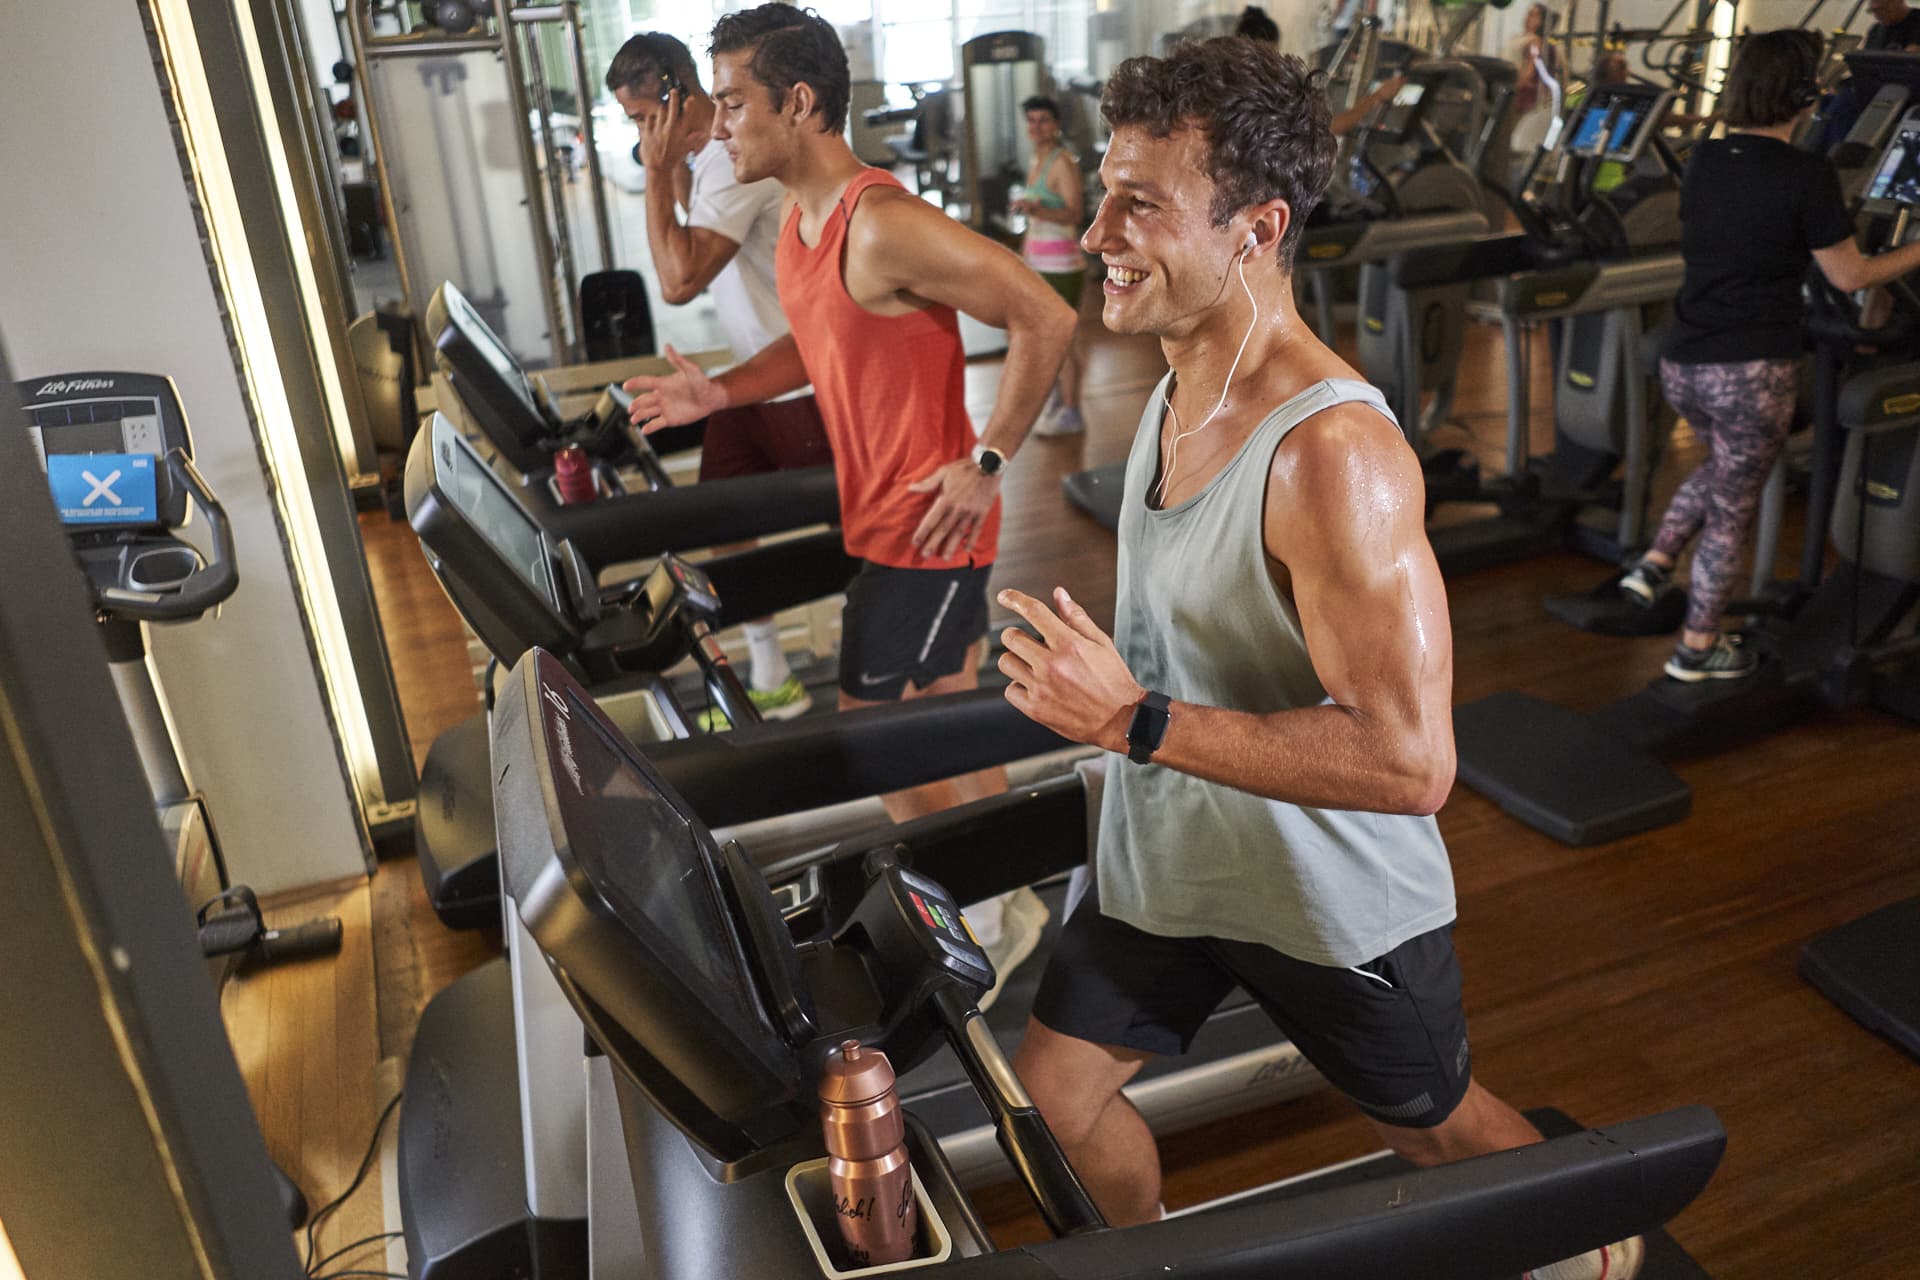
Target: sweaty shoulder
[{"x": 1346, "y": 465}]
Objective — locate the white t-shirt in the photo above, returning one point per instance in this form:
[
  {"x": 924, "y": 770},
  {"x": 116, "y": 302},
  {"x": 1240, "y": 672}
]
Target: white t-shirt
[{"x": 749, "y": 215}]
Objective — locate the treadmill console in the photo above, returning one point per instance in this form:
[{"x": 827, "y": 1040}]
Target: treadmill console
[
  {"x": 1400, "y": 119},
  {"x": 1617, "y": 121},
  {"x": 515, "y": 413},
  {"x": 505, "y": 403},
  {"x": 118, "y": 459},
  {"x": 1895, "y": 185},
  {"x": 491, "y": 510}
]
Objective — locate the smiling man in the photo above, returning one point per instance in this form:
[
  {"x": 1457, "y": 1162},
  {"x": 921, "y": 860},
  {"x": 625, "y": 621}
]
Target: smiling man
[{"x": 1278, "y": 686}]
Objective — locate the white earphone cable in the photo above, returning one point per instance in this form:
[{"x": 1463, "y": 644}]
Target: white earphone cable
[{"x": 1173, "y": 450}]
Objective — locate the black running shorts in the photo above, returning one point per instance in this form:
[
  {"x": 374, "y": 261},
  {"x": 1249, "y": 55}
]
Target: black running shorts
[
  {"x": 908, "y": 624},
  {"x": 1390, "y": 1033}
]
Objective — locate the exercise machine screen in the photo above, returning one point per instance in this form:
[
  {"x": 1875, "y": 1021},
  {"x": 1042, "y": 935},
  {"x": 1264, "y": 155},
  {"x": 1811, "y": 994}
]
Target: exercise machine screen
[
  {"x": 648, "y": 858},
  {"x": 1897, "y": 180},
  {"x": 484, "y": 500},
  {"x": 1402, "y": 115},
  {"x": 101, "y": 439},
  {"x": 1616, "y": 122},
  {"x": 501, "y": 393}
]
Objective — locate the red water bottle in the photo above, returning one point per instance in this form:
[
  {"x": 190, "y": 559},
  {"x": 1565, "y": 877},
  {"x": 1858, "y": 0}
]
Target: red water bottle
[
  {"x": 867, "y": 1168},
  {"x": 573, "y": 475}
]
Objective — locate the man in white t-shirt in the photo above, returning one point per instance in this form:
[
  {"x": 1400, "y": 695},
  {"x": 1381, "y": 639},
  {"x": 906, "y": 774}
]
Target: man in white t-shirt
[{"x": 725, "y": 246}]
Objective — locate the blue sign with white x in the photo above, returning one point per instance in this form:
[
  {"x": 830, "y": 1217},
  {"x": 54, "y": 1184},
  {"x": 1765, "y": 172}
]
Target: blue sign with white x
[{"x": 104, "y": 488}]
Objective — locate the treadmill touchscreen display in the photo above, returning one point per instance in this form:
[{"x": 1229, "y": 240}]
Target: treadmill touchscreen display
[
  {"x": 488, "y": 346},
  {"x": 647, "y": 857},
  {"x": 1626, "y": 123},
  {"x": 472, "y": 487},
  {"x": 1587, "y": 130},
  {"x": 1609, "y": 126},
  {"x": 1898, "y": 178}
]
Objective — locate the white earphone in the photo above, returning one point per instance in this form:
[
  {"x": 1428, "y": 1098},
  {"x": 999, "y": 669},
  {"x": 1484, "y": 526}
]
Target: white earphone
[{"x": 1181, "y": 433}]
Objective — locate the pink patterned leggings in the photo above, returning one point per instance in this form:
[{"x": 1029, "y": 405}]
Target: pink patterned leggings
[{"x": 1743, "y": 413}]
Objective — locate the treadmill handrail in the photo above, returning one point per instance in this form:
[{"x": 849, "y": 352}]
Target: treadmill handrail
[
  {"x": 817, "y": 760},
  {"x": 1492, "y": 1215},
  {"x": 636, "y": 526}
]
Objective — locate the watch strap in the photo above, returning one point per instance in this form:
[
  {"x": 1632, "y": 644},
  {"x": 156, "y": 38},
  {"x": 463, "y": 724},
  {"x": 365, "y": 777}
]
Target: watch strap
[{"x": 1148, "y": 728}]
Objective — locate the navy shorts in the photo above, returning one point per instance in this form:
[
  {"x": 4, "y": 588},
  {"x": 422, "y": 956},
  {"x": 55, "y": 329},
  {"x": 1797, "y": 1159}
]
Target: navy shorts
[
  {"x": 905, "y": 625},
  {"x": 1390, "y": 1033}
]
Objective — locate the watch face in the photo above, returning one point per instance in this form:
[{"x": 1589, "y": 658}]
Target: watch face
[{"x": 989, "y": 461}]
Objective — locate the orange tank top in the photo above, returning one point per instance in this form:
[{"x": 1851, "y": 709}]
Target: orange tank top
[{"x": 891, "y": 390}]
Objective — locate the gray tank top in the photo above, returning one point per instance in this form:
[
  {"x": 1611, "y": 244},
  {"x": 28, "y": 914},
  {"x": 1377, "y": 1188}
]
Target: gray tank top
[{"x": 1198, "y": 617}]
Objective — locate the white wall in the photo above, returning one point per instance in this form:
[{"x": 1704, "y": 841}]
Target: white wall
[{"x": 101, "y": 268}]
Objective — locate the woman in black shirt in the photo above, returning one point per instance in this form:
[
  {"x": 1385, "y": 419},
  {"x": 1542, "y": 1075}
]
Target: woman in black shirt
[{"x": 1754, "y": 211}]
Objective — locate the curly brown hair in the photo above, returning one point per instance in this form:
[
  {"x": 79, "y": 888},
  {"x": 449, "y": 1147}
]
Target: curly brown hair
[{"x": 1269, "y": 130}]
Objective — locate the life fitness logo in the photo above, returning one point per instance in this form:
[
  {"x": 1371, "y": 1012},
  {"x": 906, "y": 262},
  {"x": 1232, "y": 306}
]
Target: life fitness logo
[
  {"x": 563, "y": 737},
  {"x": 69, "y": 386}
]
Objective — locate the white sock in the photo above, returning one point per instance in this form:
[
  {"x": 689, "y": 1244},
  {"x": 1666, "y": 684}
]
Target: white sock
[{"x": 767, "y": 658}]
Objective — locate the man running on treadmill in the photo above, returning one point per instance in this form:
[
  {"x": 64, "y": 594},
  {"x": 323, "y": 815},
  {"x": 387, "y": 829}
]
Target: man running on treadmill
[
  {"x": 1278, "y": 688},
  {"x": 871, "y": 277},
  {"x": 726, "y": 245}
]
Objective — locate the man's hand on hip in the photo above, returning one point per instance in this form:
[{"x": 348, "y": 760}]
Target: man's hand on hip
[
  {"x": 1072, "y": 679},
  {"x": 963, "y": 496}
]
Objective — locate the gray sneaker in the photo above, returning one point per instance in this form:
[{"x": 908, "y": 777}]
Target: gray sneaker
[
  {"x": 1646, "y": 582},
  {"x": 1725, "y": 659}
]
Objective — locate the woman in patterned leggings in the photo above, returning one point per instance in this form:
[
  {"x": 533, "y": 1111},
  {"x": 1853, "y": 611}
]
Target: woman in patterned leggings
[{"x": 1754, "y": 212}]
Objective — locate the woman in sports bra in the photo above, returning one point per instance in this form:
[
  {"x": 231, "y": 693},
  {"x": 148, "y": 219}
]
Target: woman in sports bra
[{"x": 1055, "y": 204}]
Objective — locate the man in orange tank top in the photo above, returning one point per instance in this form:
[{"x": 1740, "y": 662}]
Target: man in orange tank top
[{"x": 871, "y": 277}]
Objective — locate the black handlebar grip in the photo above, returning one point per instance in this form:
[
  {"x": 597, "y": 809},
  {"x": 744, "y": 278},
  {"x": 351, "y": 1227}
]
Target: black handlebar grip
[{"x": 319, "y": 937}]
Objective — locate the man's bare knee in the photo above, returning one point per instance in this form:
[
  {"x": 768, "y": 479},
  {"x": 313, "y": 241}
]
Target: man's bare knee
[{"x": 1072, "y": 1081}]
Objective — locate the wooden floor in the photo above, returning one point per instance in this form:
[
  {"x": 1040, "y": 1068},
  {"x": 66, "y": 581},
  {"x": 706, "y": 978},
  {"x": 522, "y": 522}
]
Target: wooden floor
[{"x": 1609, "y": 982}]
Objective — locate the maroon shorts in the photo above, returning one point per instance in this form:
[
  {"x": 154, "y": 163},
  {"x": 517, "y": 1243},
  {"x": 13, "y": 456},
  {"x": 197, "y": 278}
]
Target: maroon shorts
[{"x": 754, "y": 439}]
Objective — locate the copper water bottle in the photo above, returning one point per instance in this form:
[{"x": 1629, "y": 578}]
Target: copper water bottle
[{"x": 867, "y": 1169}]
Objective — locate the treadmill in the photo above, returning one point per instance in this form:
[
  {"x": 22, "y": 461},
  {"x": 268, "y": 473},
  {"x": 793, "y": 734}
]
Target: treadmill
[
  {"x": 500, "y": 1048},
  {"x": 1854, "y": 640},
  {"x": 1432, "y": 201},
  {"x": 521, "y": 579},
  {"x": 711, "y": 1000},
  {"x": 522, "y": 423}
]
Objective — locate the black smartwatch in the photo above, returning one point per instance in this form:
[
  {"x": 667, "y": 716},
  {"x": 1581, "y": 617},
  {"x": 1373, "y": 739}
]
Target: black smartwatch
[
  {"x": 989, "y": 461},
  {"x": 1148, "y": 728}
]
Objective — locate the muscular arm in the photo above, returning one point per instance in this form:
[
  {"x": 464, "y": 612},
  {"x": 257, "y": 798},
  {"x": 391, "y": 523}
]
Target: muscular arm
[
  {"x": 902, "y": 250},
  {"x": 1344, "y": 520},
  {"x": 687, "y": 258},
  {"x": 775, "y": 370}
]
